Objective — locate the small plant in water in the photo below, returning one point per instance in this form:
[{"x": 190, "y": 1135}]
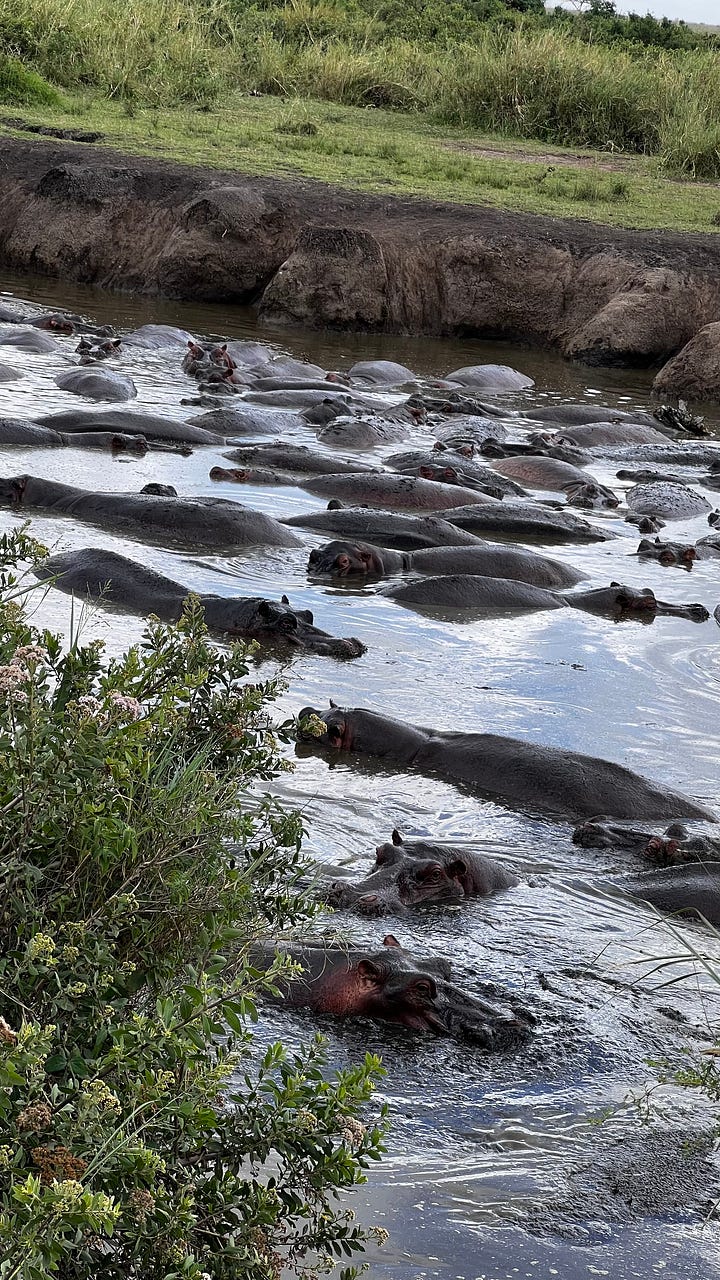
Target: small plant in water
[{"x": 140, "y": 1137}]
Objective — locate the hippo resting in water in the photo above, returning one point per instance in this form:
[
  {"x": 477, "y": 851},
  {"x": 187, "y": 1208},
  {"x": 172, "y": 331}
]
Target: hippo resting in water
[
  {"x": 105, "y": 576},
  {"x": 472, "y": 591},
  {"x": 389, "y": 985},
  {"x": 671, "y": 848},
  {"x": 361, "y": 559},
  {"x": 408, "y": 873},
  {"x": 150, "y": 425},
  {"x": 524, "y": 773},
  {"x": 683, "y": 891},
  {"x": 213, "y": 523}
]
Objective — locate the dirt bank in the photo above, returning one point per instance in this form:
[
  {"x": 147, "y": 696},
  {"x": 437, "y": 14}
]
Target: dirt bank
[{"x": 307, "y": 253}]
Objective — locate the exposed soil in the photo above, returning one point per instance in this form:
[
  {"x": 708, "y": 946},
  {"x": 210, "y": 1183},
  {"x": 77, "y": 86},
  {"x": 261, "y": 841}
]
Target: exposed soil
[{"x": 313, "y": 254}]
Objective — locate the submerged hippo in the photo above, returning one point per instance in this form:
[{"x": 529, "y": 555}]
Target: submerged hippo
[
  {"x": 33, "y": 341},
  {"x": 524, "y": 773},
  {"x": 683, "y": 891},
  {"x": 394, "y": 493},
  {"x": 468, "y": 429},
  {"x": 672, "y": 847},
  {"x": 9, "y": 374},
  {"x": 578, "y": 415},
  {"x": 349, "y": 559},
  {"x": 601, "y": 435},
  {"x": 97, "y": 384},
  {"x": 523, "y": 519},
  {"x": 666, "y": 499},
  {"x": 362, "y": 433},
  {"x": 406, "y": 533},
  {"x": 211, "y": 523},
  {"x": 472, "y": 591},
  {"x": 130, "y": 422},
  {"x": 414, "y": 871},
  {"x": 538, "y": 471},
  {"x": 389, "y": 985},
  {"x": 667, "y": 553},
  {"x": 496, "y": 377},
  {"x": 154, "y": 337},
  {"x": 294, "y": 458},
  {"x": 113, "y": 579},
  {"x": 381, "y": 373}
]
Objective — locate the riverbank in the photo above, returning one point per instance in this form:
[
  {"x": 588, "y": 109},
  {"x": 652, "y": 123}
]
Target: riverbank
[{"x": 320, "y": 255}]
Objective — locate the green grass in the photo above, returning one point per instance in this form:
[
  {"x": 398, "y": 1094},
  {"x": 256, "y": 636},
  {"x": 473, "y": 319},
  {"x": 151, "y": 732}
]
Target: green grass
[{"x": 381, "y": 151}]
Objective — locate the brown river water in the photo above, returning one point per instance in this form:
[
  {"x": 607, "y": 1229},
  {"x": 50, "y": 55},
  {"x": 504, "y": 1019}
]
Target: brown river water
[{"x": 495, "y": 1165}]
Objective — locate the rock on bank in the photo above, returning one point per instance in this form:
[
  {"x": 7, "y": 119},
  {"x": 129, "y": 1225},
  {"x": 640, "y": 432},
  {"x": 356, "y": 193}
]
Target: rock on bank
[{"x": 314, "y": 255}]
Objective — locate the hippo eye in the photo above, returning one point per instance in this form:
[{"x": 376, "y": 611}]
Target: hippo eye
[{"x": 424, "y": 988}]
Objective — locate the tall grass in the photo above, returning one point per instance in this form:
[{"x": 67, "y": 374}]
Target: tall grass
[{"x": 527, "y": 83}]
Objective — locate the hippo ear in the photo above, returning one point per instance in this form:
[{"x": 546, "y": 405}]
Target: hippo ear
[
  {"x": 390, "y": 940},
  {"x": 265, "y": 608},
  {"x": 284, "y": 600},
  {"x": 396, "y": 837},
  {"x": 615, "y": 584},
  {"x": 646, "y": 544},
  {"x": 457, "y": 869},
  {"x": 369, "y": 972},
  {"x": 334, "y": 705}
]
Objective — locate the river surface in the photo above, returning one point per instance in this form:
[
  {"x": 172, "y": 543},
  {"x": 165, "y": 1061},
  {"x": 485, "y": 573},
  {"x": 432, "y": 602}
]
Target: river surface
[{"x": 495, "y": 1165}]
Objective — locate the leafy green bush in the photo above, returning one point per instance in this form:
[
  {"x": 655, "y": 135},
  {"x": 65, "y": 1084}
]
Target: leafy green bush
[{"x": 139, "y": 1138}]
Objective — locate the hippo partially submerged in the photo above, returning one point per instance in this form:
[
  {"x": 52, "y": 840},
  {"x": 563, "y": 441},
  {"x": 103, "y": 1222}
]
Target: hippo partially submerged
[
  {"x": 394, "y": 492},
  {"x": 389, "y": 985},
  {"x": 411, "y": 872},
  {"x": 361, "y": 559},
  {"x": 683, "y": 891},
  {"x": 524, "y": 773},
  {"x": 407, "y": 533},
  {"x": 667, "y": 499},
  {"x": 668, "y": 848},
  {"x": 110, "y": 578},
  {"x": 211, "y": 523},
  {"x": 473, "y": 591}
]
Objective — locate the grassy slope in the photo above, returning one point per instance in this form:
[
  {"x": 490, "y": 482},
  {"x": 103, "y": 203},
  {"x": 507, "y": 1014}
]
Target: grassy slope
[{"x": 381, "y": 151}]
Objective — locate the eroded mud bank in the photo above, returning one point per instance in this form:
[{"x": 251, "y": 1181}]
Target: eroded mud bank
[{"x": 313, "y": 255}]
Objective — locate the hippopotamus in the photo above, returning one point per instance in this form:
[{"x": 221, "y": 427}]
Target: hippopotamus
[
  {"x": 521, "y": 773},
  {"x": 541, "y": 472},
  {"x": 673, "y": 847},
  {"x": 468, "y": 429},
  {"x": 349, "y": 559},
  {"x": 211, "y": 523},
  {"x": 495, "y": 377},
  {"x": 406, "y": 533},
  {"x": 253, "y": 475},
  {"x": 287, "y": 367},
  {"x": 245, "y": 421},
  {"x": 362, "y": 433},
  {"x": 682, "y": 454},
  {"x": 459, "y": 477},
  {"x": 600, "y": 435},
  {"x": 91, "y": 352},
  {"x": 153, "y": 337},
  {"x": 129, "y": 422},
  {"x": 21, "y": 431},
  {"x": 524, "y": 519},
  {"x": 294, "y": 458},
  {"x": 667, "y": 553},
  {"x": 450, "y": 466},
  {"x": 52, "y": 320},
  {"x": 668, "y": 500},
  {"x": 297, "y": 399},
  {"x": 682, "y": 891},
  {"x": 411, "y": 872},
  {"x": 97, "y": 384},
  {"x": 536, "y": 445},
  {"x": 8, "y": 374},
  {"x": 388, "y": 492},
  {"x": 113, "y": 579},
  {"x": 580, "y": 415},
  {"x": 389, "y": 985},
  {"x": 34, "y": 341},
  {"x": 472, "y": 591},
  {"x": 381, "y": 373}
]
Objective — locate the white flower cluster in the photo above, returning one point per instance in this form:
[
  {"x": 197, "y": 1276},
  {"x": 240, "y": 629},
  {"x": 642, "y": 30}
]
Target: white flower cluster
[{"x": 118, "y": 707}]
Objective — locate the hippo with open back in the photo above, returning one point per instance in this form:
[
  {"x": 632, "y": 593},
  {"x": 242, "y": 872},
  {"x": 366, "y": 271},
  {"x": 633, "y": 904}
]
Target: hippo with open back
[
  {"x": 109, "y": 578},
  {"x": 389, "y": 985},
  {"x": 521, "y": 773},
  {"x": 410, "y": 872}
]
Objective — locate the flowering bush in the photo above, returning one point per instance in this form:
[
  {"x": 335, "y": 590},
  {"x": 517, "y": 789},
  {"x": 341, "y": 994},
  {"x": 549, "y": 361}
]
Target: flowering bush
[{"x": 139, "y": 1136}]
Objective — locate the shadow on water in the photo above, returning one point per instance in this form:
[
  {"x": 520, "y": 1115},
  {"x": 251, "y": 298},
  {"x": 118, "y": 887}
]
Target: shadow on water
[{"x": 505, "y": 1166}]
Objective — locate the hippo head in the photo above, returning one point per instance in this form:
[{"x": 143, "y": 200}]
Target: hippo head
[
  {"x": 55, "y": 324},
  {"x": 418, "y": 994},
  {"x": 601, "y": 835},
  {"x": 276, "y": 622},
  {"x": 222, "y": 357},
  {"x": 590, "y": 495},
  {"x": 401, "y": 879},
  {"x": 464, "y": 450},
  {"x": 667, "y": 553},
  {"x": 343, "y": 559},
  {"x": 12, "y": 490},
  {"x": 643, "y": 604}
]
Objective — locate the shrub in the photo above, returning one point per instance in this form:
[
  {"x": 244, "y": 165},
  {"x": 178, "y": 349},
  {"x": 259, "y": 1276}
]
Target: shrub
[
  {"x": 138, "y": 1138},
  {"x": 22, "y": 86}
]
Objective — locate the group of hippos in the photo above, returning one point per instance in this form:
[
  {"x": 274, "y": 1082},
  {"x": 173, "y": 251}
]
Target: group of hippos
[{"x": 474, "y": 467}]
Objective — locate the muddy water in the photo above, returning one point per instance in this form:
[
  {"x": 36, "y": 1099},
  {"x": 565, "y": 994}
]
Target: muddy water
[{"x": 481, "y": 1180}]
